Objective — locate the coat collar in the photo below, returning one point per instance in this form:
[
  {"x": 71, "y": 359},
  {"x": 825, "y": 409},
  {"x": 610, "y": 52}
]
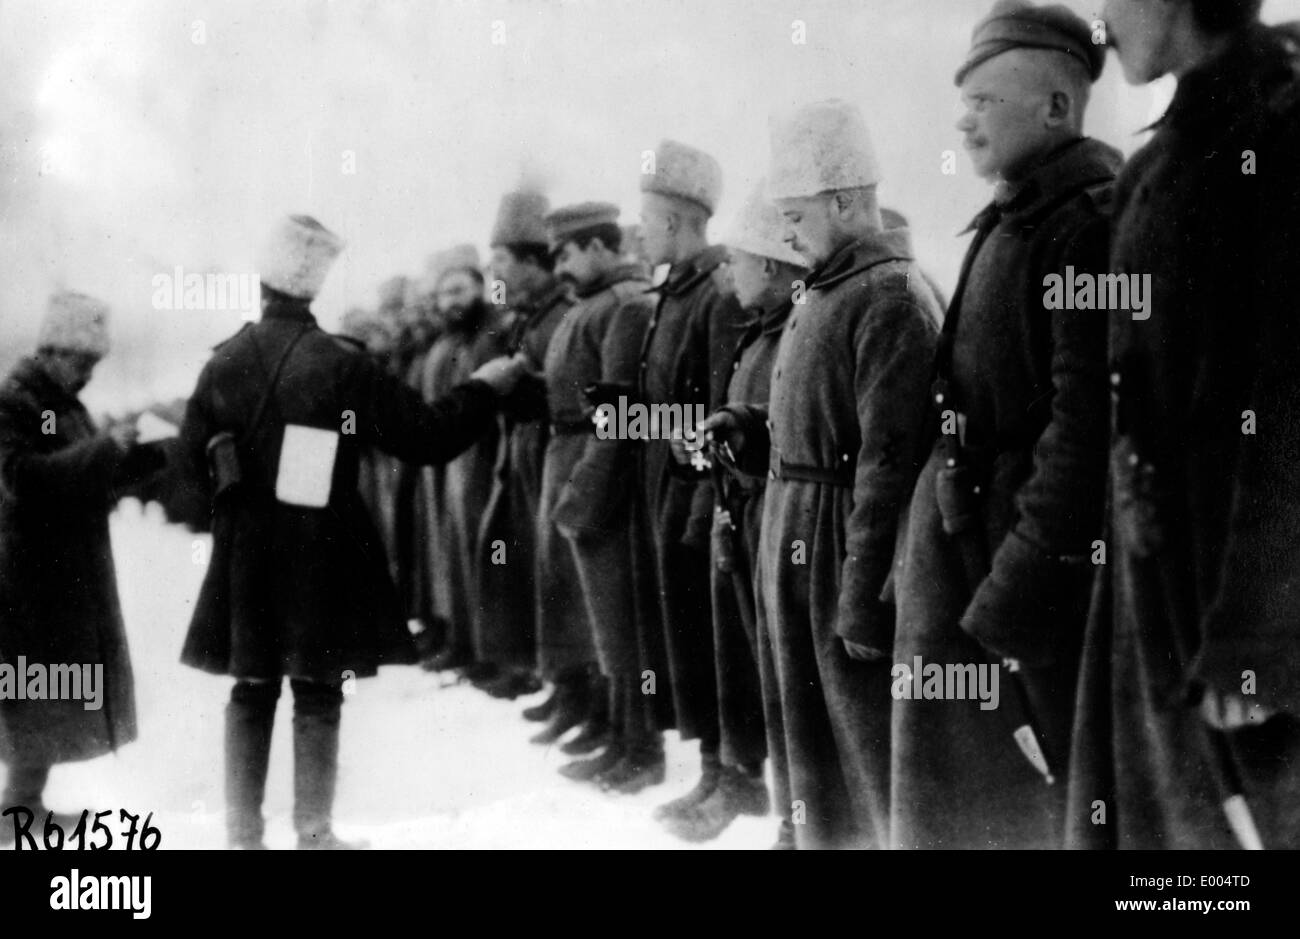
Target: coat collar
[
  {"x": 1072, "y": 166},
  {"x": 294, "y": 311},
  {"x": 615, "y": 275},
  {"x": 1259, "y": 60},
  {"x": 771, "y": 319},
  {"x": 685, "y": 276},
  {"x": 894, "y": 244},
  {"x": 537, "y": 308}
]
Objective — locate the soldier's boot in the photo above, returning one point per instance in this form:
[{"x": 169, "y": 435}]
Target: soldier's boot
[
  {"x": 711, "y": 772},
  {"x": 739, "y": 792},
  {"x": 784, "y": 836},
  {"x": 596, "y": 731},
  {"x": 543, "y": 710},
  {"x": 449, "y": 658},
  {"x": 24, "y": 789},
  {"x": 642, "y": 766},
  {"x": 480, "y": 674},
  {"x": 316, "y": 765},
  {"x": 512, "y": 684},
  {"x": 571, "y": 708},
  {"x": 589, "y": 769},
  {"x": 250, "y": 716}
]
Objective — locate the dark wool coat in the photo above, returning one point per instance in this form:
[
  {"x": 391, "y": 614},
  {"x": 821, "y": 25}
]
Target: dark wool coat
[
  {"x": 1202, "y": 586},
  {"x": 592, "y": 510},
  {"x": 685, "y": 361},
  {"x": 741, "y": 700},
  {"x": 585, "y": 515},
  {"x": 507, "y": 590},
  {"x": 58, "y": 589},
  {"x": 299, "y": 591},
  {"x": 844, "y": 426},
  {"x": 1032, "y": 385},
  {"x": 456, "y": 494}
]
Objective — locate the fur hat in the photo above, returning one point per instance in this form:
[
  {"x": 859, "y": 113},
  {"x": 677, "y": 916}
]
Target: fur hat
[
  {"x": 759, "y": 229},
  {"x": 819, "y": 148},
  {"x": 463, "y": 257},
  {"x": 685, "y": 173},
  {"x": 297, "y": 255},
  {"x": 521, "y": 219},
  {"x": 75, "y": 322}
]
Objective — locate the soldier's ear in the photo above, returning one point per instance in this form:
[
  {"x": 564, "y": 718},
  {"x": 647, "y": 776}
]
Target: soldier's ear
[{"x": 1060, "y": 109}]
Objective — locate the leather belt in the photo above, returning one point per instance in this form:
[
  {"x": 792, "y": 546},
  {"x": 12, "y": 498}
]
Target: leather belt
[{"x": 842, "y": 476}]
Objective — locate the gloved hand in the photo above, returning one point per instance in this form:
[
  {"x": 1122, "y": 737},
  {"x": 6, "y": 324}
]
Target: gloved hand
[
  {"x": 1232, "y": 711},
  {"x": 501, "y": 373}
]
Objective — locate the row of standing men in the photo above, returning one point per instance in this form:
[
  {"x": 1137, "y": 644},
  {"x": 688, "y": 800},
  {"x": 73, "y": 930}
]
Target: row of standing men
[{"x": 778, "y": 594}]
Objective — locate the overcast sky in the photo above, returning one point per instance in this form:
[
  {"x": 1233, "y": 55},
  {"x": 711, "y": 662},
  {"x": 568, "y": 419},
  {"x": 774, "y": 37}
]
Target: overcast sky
[{"x": 138, "y": 136}]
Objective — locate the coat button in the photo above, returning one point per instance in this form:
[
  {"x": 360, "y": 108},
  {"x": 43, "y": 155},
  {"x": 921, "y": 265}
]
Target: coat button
[
  {"x": 1114, "y": 379},
  {"x": 735, "y": 366},
  {"x": 951, "y": 462},
  {"x": 1132, "y": 459},
  {"x": 938, "y": 399}
]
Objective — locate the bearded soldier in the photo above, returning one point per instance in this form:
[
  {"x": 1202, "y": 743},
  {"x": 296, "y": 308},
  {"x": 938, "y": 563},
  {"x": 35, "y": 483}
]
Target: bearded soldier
[
  {"x": 838, "y": 441},
  {"x": 455, "y": 495},
  {"x": 298, "y": 585},
  {"x": 1187, "y": 733},
  {"x": 996, "y": 562}
]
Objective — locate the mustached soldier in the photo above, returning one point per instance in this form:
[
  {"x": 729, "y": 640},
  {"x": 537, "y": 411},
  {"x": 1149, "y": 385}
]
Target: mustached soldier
[
  {"x": 298, "y": 584},
  {"x": 590, "y": 480},
  {"x": 996, "y": 561}
]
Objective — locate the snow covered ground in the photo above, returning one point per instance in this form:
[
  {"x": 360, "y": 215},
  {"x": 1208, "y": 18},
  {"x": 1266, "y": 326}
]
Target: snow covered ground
[{"x": 424, "y": 763}]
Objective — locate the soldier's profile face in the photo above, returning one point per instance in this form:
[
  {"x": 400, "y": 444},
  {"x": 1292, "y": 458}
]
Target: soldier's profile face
[
  {"x": 810, "y": 227},
  {"x": 72, "y": 370},
  {"x": 656, "y": 233},
  {"x": 1005, "y": 123},
  {"x": 1139, "y": 32},
  {"x": 576, "y": 265}
]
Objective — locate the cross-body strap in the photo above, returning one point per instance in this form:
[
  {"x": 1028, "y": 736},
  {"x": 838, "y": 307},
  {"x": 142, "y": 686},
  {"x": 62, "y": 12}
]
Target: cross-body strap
[{"x": 275, "y": 377}]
